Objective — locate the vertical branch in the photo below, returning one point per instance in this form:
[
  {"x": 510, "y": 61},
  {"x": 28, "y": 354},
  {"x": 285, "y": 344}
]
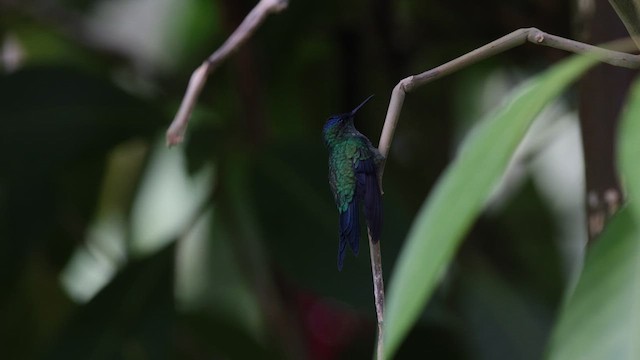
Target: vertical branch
[
  {"x": 391, "y": 121},
  {"x": 393, "y": 113},
  {"x": 378, "y": 293}
]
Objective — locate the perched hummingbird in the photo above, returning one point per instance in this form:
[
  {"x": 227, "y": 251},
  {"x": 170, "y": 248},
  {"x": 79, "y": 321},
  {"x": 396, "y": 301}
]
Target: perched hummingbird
[{"x": 353, "y": 177}]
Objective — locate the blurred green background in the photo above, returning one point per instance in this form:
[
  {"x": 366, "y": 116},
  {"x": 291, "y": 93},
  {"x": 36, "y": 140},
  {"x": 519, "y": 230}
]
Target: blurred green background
[{"x": 114, "y": 247}]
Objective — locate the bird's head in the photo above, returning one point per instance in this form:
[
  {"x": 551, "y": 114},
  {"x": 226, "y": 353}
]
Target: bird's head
[{"x": 336, "y": 123}]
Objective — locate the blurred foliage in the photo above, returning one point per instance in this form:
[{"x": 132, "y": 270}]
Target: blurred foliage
[
  {"x": 114, "y": 247},
  {"x": 456, "y": 201}
]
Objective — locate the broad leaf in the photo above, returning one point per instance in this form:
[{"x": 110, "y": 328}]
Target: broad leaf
[
  {"x": 629, "y": 13},
  {"x": 601, "y": 319},
  {"x": 629, "y": 149},
  {"x": 459, "y": 197}
]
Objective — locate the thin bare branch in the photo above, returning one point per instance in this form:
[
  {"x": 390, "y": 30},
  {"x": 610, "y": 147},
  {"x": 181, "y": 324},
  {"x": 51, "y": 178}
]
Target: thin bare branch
[
  {"x": 509, "y": 41},
  {"x": 378, "y": 293},
  {"x": 251, "y": 22}
]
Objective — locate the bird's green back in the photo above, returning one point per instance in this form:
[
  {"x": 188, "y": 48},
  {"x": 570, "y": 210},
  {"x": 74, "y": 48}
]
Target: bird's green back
[{"x": 344, "y": 153}]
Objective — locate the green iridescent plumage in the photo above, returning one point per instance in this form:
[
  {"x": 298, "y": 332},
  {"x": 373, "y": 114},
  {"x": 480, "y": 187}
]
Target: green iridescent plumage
[{"x": 353, "y": 177}]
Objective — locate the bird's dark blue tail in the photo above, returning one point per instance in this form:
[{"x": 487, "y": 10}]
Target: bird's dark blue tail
[{"x": 349, "y": 231}]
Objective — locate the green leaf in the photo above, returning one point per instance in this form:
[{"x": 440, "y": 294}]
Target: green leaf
[
  {"x": 629, "y": 13},
  {"x": 133, "y": 316},
  {"x": 629, "y": 149},
  {"x": 459, "y": 197},
  {"x": 601, "y": 319},
  {"x": 56, "y": 126}
]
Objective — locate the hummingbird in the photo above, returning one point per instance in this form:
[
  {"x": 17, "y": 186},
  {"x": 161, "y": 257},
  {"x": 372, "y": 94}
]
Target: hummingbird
[{"x": 354, "y": 180}]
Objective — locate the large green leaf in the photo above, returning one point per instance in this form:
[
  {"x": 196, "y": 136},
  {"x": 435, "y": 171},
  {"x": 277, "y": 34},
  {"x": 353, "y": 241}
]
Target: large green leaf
[
  {"x": 629, "y": 148},
  {"x": 601, "y": 319},
  {"x": 460, "y": 195},
  {"x": 629, "y": 13}
]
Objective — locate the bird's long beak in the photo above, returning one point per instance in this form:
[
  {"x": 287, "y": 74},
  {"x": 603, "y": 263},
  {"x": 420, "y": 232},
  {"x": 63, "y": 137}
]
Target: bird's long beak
[{"x": 353, "y": 112}]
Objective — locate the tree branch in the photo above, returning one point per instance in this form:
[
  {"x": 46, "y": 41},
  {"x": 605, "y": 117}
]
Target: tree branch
[
  {"x": 254, "y": 19},
  {"x": 509, "y": 41},
  {"x": 378, "y": 293},
  {"x": 410, "y": 83}
]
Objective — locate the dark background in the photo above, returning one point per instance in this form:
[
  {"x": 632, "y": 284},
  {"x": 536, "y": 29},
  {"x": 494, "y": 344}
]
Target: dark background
[{"x": 113, "y": 247}]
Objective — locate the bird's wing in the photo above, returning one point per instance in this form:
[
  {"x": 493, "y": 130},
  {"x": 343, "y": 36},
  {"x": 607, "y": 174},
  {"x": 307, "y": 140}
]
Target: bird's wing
[
  {"x": 342, "y": 179},
  {"x": 332, "y": 184},
  {"x": 368, "y": 192}
]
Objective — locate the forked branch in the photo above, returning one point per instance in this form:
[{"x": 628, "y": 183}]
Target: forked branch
[
  {"x": 509, "y": 41},
  {"x": 410, "y": 83}
]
